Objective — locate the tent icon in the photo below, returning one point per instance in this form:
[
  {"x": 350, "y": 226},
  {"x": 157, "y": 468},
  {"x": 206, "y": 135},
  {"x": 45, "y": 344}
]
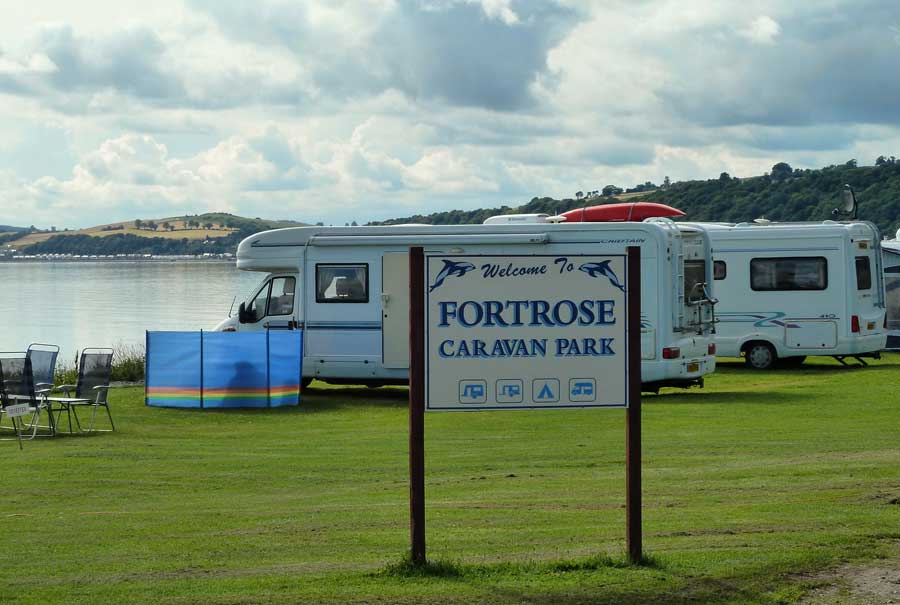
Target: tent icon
[{"x": 545, "y": 390}]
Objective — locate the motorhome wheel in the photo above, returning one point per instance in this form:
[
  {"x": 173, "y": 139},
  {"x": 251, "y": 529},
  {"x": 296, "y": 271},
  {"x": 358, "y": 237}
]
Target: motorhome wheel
[{"x": 760, "y": 356}]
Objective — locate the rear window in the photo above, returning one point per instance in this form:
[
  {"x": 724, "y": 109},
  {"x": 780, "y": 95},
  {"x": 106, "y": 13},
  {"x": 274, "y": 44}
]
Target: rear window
[
  {"x": 863, "y": 273},
  {"x": 789, "y": 273},
  {"x": 694, "y": 277}
]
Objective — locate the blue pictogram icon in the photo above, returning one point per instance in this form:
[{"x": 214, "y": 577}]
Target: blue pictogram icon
[
  {"x": 582, "y": 390},
  {"x": 545, "y": 390},
  {"x": 509, "y": 390},
  {"x": 472, "y": 391}
]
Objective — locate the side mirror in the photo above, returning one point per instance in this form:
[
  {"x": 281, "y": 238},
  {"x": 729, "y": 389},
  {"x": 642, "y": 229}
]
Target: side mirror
[{"x": 242, "y": 313}]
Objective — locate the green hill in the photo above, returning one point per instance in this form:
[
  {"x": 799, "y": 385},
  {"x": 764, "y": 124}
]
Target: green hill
[
  {"x": 785, "y": 194},
  {"x": 214, "y": 232}
]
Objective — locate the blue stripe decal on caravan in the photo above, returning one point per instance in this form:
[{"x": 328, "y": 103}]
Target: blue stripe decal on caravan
[{"x": 344, "y": 325}]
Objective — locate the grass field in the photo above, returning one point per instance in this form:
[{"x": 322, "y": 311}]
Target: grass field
[{"x": 752, "y": 487}]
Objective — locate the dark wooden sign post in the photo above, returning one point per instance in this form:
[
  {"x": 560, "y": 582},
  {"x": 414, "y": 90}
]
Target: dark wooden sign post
[
  {"x": 633, "y": 411},
  {"x": 417, "y": 407}
]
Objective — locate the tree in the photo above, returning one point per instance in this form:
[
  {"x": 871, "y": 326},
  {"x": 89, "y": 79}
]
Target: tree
[
  {"x": 579, "y": 195},
  {"x": 781, "y": 170},
  {"x": 167, "y": 226},
  {"x": 724, "y": 177},
  {"x": 354, "y": 224},
  {"x": 666, "y": 183},
  {"x": 610, "y": 190},
  {"x": 138, "y": 224},
  {"x": 208, "y": 226},
  {"x": 881, "y": 160}
]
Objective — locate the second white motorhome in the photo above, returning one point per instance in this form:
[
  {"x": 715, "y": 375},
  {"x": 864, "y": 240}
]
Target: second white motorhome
[
  {"x": 891, "y": 258},
  {"x": 348, "y": 289},
  {"x": 788, "y": 290}
]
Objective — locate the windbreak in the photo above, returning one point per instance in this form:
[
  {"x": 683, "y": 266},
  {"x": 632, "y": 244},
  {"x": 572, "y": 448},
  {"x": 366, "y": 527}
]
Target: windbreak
[{"x": 224, "y": 369}]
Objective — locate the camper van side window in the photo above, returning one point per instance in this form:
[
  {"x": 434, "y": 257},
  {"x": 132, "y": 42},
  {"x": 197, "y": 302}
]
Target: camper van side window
[
  {"x": 863, "y": 273},
  {"x": 345, "y": 283},
  {"x": 720, "y": 269},
  {"x": 792, "y": 273},
  {"x": 281, "y": 302}
]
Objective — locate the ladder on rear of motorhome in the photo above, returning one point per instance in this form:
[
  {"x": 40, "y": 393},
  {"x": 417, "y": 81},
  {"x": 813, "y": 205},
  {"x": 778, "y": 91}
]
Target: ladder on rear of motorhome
[{"x": 676, "y": 259}]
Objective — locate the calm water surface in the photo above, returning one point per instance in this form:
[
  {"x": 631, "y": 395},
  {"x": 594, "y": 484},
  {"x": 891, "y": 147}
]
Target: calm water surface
[{"x": 92, "y": 304}]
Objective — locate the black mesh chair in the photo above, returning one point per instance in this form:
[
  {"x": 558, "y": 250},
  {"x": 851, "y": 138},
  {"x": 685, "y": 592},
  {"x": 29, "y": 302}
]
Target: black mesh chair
[
  {"x": 94, "y": 368},
  {"x": 43, "y": 363},
  {"x": 5, "y": 403},
  {"x": 19, "y": 390}
]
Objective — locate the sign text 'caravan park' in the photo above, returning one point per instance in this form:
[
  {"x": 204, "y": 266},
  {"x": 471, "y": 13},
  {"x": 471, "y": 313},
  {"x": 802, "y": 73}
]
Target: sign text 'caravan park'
[{"x": 535, "y": 331}]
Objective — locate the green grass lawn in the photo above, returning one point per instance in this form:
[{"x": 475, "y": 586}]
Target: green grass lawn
[{"x": 748, "y": 483}]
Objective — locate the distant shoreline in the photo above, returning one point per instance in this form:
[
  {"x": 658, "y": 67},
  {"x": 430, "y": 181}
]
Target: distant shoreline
[{"x": 117, "y": 259}]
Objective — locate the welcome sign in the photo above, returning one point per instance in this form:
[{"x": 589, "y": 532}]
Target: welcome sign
[{"x": 529, "y": 331}]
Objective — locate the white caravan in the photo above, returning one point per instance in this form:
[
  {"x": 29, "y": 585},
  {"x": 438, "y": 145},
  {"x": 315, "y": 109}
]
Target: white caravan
[
  {"x": 891, "y": 258},
  {"x": 348, "y": 289},
  {"x": 788, "y": 290}
]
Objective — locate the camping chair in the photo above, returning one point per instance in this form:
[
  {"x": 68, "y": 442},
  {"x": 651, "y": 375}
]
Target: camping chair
[
  {"x": 43, "y": 366},
  {"x": 18, "y": 387},
  {"x": 4, "y": 404},
  {"x": 94, "y": 368},
  {"x": 43, "y": 363}
]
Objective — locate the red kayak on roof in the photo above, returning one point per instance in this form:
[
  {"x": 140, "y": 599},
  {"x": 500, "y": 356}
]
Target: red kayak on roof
[{"x": 609, "y": 213}]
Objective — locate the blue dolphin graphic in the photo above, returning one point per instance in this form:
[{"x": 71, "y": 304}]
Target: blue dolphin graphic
[
  {"x": 598, "y": 269},
  {"x": 451, "y": 267}
]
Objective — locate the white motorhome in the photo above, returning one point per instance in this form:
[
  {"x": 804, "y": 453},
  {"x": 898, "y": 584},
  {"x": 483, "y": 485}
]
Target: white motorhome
[
  {"x": 891, "y": 258},
  {"x": 788, "y": 290},
  {"x": 348, "y": 289}
]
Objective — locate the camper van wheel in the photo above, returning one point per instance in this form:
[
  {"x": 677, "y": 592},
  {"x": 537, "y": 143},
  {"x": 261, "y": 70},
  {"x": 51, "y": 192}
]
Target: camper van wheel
[{"x": 760, "y": 355}]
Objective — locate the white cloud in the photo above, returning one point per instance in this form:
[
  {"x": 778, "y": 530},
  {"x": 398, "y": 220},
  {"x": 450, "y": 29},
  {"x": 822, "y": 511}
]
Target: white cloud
[
  {"x": 341, "y": 110},
  {"x": 762, "y": 30}
]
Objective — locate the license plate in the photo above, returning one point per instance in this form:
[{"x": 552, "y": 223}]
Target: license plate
[{"x": 694, "y": 366}]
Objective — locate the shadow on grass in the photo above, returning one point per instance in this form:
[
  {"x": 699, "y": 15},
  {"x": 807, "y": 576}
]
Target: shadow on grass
[
  {"x": 405, "y": 568},
  {"x": 739, "y": 367},
  {"x": 494, "y": 580}
]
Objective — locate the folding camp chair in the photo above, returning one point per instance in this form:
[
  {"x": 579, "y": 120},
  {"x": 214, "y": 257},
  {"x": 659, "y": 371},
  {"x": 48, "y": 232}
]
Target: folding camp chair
[
  {"x": 94, "y": 368},
  {"x": 18, "y": 387},
  {"x": 5, "y": 408},
  {"x": 43, "y": 368},
  {"x": 43, "y": 363}
]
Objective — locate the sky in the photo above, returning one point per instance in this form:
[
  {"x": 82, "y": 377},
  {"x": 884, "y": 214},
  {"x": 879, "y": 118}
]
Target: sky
[{"x": 362, "y": 110}]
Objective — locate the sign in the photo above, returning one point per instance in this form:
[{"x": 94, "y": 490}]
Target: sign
[
  {"x": 17, "y": 410},
  {"x": 525, "y": 331}
]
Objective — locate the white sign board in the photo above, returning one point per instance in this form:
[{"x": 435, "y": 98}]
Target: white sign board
[
  {"x": 16, "y": 410},
  {"x": 525, "y": 331}
]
